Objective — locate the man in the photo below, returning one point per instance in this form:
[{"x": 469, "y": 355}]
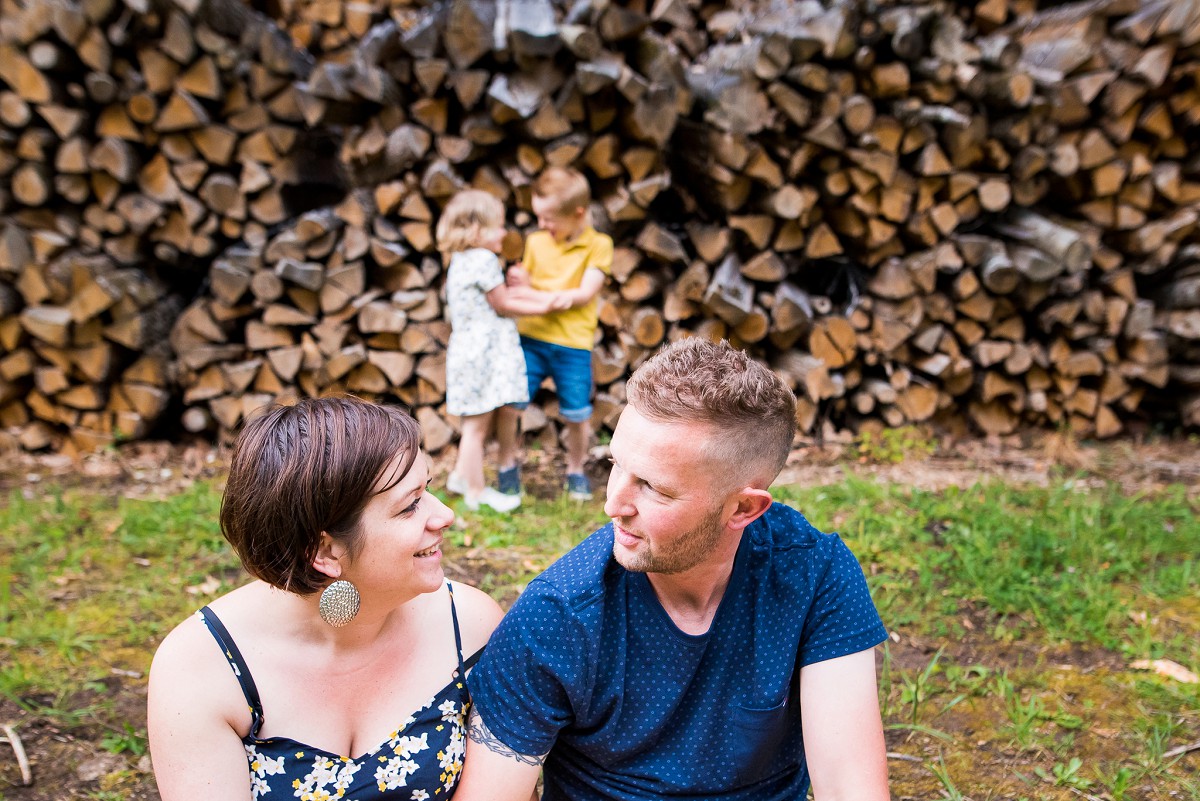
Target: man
[{"x": 705, "y": 644}]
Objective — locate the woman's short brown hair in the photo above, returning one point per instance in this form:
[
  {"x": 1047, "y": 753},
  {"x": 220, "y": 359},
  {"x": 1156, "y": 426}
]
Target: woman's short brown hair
[
  {"x": 750, "y": 408},
  {"x": 299, "y": 470}
]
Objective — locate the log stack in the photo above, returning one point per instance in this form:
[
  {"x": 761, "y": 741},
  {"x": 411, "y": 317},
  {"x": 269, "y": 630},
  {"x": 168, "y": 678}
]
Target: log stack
[
  {"x": 139, "y": 140},
  {"x": 330, "y": 29},
  {"x": 336, "y": 302},
  {"x": 84, "y": 343},
  {"x": 979, "y": 215}
]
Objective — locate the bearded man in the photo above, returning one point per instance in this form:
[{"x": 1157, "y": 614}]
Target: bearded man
[{"x": 707, "y": 643}]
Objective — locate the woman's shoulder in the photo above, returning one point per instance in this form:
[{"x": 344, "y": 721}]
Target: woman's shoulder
[
  {"x": 477, "y": 615},
  {"x": 190, "y": 671},
  {"x": 191, "y": 645}
]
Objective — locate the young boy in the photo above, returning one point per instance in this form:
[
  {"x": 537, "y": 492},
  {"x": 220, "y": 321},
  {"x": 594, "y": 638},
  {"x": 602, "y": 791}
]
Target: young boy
[{"x": 566, "y": 255}]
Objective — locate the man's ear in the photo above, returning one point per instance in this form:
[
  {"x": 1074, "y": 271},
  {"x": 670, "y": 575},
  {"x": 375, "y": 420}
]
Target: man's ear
[
  {"x": 752, "y": 503},
  {"x": 330, "y": 556}
]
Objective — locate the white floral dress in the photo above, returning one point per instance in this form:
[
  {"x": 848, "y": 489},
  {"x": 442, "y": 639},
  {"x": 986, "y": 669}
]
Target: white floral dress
[
  {"x": 420, "y": 760},
  {"x": 485, "y": 368}
]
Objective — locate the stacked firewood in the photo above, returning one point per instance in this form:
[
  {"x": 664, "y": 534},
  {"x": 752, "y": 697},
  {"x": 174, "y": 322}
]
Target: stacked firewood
[
  {"x": 168, "y": 133},
  {"x": 84, "y": 346},
  {"x": 1178, "y": 302},
  {"x": 861, "y": 200},
  {"x": 985, "y": 216},
  {"x": 336, "y": 302},
  {"x": 138, "y": 141},
  {"x": 328, "y": 29}
]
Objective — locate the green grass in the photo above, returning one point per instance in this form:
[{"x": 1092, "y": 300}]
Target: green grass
[
  {"x": 1015, "y": 611},
  {"x": 1063, "y": 564}
]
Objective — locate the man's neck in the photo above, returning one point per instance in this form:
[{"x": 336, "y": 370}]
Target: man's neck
[{"x": 691, "y": 598}]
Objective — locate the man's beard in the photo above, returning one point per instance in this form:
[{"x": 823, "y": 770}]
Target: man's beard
[{"x": 680, "y": 554}]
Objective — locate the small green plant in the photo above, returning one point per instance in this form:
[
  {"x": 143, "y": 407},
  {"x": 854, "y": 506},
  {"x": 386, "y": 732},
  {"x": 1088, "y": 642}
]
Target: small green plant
[
  {"x": 125, "y": 741},
  {"x": 949, "y": 790},
  {"x": 918, "y": 689},
  {"x": 893, "y": 445},
  {"x": 1118, "y": 782},
  {"x": 1066, "y": 775},
  {"x": 1023, "y": 715}
]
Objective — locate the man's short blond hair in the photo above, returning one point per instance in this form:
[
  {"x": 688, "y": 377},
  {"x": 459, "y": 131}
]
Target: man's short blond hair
[
  {"x": 565, "y": 187},
  {"x": 465, "y": 218},
  {"x": 749, "y": 408}
]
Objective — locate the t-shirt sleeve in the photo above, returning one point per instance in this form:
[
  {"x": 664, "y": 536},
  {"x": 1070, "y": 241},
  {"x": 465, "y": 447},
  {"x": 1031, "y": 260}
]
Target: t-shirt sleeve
[
  {"x": 526, "y": 685},
  {"x": 484, "y": 270},
  {"x": 602, "y": 254},
  {"x": 843, "y": 619}
]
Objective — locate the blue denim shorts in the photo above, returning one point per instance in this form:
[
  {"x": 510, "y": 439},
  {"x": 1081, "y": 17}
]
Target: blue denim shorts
[{"x": 571, "y": 369}]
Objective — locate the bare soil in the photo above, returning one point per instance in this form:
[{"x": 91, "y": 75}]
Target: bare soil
[{"x": 69, "y": 761}]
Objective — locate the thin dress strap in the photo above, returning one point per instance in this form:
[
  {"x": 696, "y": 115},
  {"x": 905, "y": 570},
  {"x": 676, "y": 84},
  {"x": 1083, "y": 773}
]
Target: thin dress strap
[
  {"x": 238, "y": 664},
  {"x": 462, "y": 667},
  {"x": 469, "y": 662}
]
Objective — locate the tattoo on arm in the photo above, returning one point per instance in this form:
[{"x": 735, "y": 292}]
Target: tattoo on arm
[{"x": 478, "y": 731}]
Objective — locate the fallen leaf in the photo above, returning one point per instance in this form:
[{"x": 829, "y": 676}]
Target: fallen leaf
[{"x": 1165, "y": 667}]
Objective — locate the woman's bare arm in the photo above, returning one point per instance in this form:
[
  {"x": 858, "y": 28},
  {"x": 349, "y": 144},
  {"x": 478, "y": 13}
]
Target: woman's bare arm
[{"x": 191, "y": 710}]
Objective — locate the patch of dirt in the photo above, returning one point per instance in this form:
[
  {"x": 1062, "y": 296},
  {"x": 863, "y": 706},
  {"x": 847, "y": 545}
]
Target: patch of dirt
[{"x": 71, "y": 760}]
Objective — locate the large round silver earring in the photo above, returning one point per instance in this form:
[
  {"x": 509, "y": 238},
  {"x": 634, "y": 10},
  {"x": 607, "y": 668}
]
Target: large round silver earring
[{"x": 339, "y": 603}]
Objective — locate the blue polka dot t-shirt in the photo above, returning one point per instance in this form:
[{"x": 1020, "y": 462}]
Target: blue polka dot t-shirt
[{"x": 589, "y": 663}]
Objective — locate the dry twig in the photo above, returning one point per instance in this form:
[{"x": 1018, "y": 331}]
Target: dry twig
[{"x": 13, "y": 739}]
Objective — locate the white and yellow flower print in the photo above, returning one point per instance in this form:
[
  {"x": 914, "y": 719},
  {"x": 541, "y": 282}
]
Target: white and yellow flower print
[
  {"x": 450, "y": 758},
  {"x": 262, "y": 766},
  {"x": 327, "y": 780},
  {"x": 395, "y": 770}
]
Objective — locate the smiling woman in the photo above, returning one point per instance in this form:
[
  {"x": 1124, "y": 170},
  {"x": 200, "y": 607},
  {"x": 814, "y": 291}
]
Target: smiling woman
[{"x": 341, "y": 669}]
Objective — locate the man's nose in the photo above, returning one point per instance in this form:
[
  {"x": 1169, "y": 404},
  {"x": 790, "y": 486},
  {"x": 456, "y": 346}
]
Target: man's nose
[{"x": 616, "y": 503}]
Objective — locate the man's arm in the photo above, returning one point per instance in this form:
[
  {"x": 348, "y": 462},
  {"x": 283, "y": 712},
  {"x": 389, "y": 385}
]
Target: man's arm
[
  {"x": 492, "y": 771},
  {"x": 843, "y": 733}
]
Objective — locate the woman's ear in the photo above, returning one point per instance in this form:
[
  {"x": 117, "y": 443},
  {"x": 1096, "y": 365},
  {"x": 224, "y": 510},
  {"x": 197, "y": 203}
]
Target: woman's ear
[
  {"x": 330, "y": 556},
  {"x": 751, "y": 504}
]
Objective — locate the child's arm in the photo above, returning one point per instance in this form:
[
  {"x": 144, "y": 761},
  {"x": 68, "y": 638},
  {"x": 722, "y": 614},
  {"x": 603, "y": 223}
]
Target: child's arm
[
  {"x": 517, "y": 275},
  {"x": 518, "y": 301},
  {"x": 589, "y": 288}
]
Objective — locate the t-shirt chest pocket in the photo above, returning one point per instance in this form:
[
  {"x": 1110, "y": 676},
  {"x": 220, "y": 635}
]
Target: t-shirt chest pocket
[{"x": 756, "y": 737}]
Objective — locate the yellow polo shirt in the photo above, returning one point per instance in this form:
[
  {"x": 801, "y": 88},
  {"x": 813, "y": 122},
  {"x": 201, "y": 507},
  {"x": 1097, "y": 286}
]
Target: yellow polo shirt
[{"x": 553, "y": 267}]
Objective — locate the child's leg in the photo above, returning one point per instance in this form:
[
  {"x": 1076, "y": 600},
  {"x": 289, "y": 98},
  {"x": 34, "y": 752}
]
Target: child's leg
[
  {"x": 572, "y": 369},
  {"x": 579, "y": 435},
  {"x": 469, "y": 466},
  {"x": 507, "y": 418}
]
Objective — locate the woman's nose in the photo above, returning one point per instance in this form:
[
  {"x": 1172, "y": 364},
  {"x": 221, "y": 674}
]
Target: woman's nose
[{"x": 441, "y": 516}]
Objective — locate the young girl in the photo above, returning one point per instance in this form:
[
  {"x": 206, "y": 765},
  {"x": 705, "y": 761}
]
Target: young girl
[{"x": 485, "y": 368}]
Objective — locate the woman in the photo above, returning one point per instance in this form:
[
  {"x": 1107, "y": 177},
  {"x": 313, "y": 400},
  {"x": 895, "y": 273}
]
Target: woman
[{"x": 339, "y": 673}]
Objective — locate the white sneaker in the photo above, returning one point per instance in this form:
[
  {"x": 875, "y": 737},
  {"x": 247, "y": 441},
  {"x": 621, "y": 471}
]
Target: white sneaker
[
  {"x": 493, "y": 499},
  {"x": 456, "y": 484}
]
